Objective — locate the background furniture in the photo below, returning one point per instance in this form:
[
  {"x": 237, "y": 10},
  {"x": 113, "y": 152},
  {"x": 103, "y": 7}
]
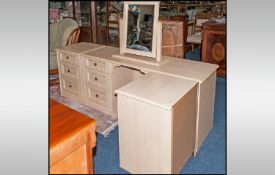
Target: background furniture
[
  {"x": 174, "y": 34},
  {"x": 156, "y": 126},
  {"x": 214, "y": 45},
  {"x": 72, "y": 137},
  {"x": 83, "y": 15},
  {"x": 195, "y": 38},
  {"x": 192, "y": 8},
  {"x": 98, "y": 20}
]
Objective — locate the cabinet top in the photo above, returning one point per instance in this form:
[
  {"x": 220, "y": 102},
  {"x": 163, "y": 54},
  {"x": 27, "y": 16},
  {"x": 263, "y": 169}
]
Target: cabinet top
[
  {"x": 65, "y": 123},
  {"x": 156, "y": 89},
  {"x": 81, "y": 47}
]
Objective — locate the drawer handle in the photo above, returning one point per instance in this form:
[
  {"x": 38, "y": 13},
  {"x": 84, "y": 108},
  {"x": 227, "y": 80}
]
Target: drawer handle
[
  {"x": 96, "y": 95},
  {"x": 69, "y": 70},
  {"x": 95, "y": 64},
  {"x": 70, "y": 86},
  {"x": 67, "y": 57},
  {"x": 95, "y": 78}
]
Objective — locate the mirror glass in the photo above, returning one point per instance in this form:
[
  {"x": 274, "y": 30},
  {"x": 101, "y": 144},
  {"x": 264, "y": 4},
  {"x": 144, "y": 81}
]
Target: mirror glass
[{"x": 140, "y": 27}]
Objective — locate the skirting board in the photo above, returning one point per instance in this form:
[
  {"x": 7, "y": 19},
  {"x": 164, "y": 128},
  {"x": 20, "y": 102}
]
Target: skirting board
[{"x": 112, "y": 127}]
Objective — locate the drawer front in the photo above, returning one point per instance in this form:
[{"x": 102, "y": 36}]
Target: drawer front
[
  {"x": 96, "y": 64},
  {"x": 70, "y": 85},
  {"x": 70, "y": 70},
  {"x": 97, "y": 78},
  {"x": 74, "y": 163},
  {"x": 69, "y": 58},
  {"x": 97, "y": 96}
]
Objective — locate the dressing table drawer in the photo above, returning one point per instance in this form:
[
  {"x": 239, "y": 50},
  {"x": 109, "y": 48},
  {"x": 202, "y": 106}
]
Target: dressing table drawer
[
  {"x": 96, "y": 64},
  {"x": 70, "y": 70},
  {"x": 71, "y": 58},
  {"x": 97, "y": 78},
  {"x": 70, "y": 85},
  {"x": 97, "y": 96}
]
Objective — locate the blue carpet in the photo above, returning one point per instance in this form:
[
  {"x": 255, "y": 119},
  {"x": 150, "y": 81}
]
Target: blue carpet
[{"x": 210, "y": 159}]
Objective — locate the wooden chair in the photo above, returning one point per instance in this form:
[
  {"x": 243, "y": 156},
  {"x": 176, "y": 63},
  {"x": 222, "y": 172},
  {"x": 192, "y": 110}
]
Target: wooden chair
[
  {"x": 198, "y": 24},
  {"x": 73, "y": 37},
  {"x": 195, "y": 38}
]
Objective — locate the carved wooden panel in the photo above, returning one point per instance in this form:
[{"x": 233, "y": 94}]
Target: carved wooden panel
[
  {"x": 174, "y": 35},
  {"x": 214, "y": 47},
  {"x": 172, "y": 40}
]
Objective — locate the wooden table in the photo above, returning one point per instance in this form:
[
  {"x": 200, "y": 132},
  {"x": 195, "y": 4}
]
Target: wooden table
[{"x": 72, "y": 137}]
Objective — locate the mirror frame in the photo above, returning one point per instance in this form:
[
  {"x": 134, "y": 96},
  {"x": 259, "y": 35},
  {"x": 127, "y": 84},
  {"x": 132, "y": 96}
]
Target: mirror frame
[{"x": 124, "y": 32}]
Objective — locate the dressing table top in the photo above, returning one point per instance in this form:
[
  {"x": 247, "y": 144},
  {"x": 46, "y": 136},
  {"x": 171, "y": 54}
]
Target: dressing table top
[
  {"x": 161, "y": 90},
  {"x": 181, "y": 68}
]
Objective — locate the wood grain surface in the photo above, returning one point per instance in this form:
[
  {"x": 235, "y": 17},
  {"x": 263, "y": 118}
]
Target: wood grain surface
[{"x": 72, "y": 137}]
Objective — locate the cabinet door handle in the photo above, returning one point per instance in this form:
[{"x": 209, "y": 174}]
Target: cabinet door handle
[
  {"x": 69, "y": 70},
  {"x": 70, "y": 86},
  {"x": 95, "y": 64},
  {"x": 95, "y": 78},
  {"x": 96, "y": 95}
]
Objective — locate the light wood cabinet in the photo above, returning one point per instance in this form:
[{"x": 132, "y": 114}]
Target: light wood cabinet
[
  {"x": 98, "y": 77},
  {"x": 71, "y": 74},
  {"x": 156, "y": 125},
  {"x": 101, "y": 78}
]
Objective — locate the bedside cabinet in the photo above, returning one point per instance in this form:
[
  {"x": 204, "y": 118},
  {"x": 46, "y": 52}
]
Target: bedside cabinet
[{"x": 157, "y": 125}]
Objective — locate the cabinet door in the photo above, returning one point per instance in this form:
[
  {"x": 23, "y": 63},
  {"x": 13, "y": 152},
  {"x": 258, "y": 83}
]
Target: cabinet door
[
  {"x": 83, "y": 18},
  {"x": 83, "y": 13},
  {"x": 74, "y": 163},
  {"x": 115, "y": 10},
  {"x": 101, "y": 21}
]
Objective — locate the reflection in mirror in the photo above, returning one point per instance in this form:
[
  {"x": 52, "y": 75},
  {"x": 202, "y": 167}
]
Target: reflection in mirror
[{"x": 140, "y": 27}]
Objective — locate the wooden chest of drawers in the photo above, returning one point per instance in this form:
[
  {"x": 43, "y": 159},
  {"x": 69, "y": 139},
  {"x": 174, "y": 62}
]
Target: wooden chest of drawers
[
  {"x": 70, "y": 76},
  {"x": 70, "y": 70},
  {"x": 101, "y": 78},
  {"x": 91, "y": 80},
  {"x": 72, "y": 137}
]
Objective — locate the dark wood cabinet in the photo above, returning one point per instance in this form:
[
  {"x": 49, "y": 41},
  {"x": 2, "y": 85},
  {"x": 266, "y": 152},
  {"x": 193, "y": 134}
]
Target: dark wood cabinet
[
  {"x": 214, "y": 45},
  {"x": 106, "y": 28},
  {"x": 83, "y": 16}
]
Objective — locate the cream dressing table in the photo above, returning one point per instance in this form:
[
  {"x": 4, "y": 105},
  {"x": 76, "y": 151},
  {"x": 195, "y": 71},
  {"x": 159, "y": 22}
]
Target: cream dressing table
[
  {"x": 164, "y": 105},
  {"x": 90, "y": 74}
]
